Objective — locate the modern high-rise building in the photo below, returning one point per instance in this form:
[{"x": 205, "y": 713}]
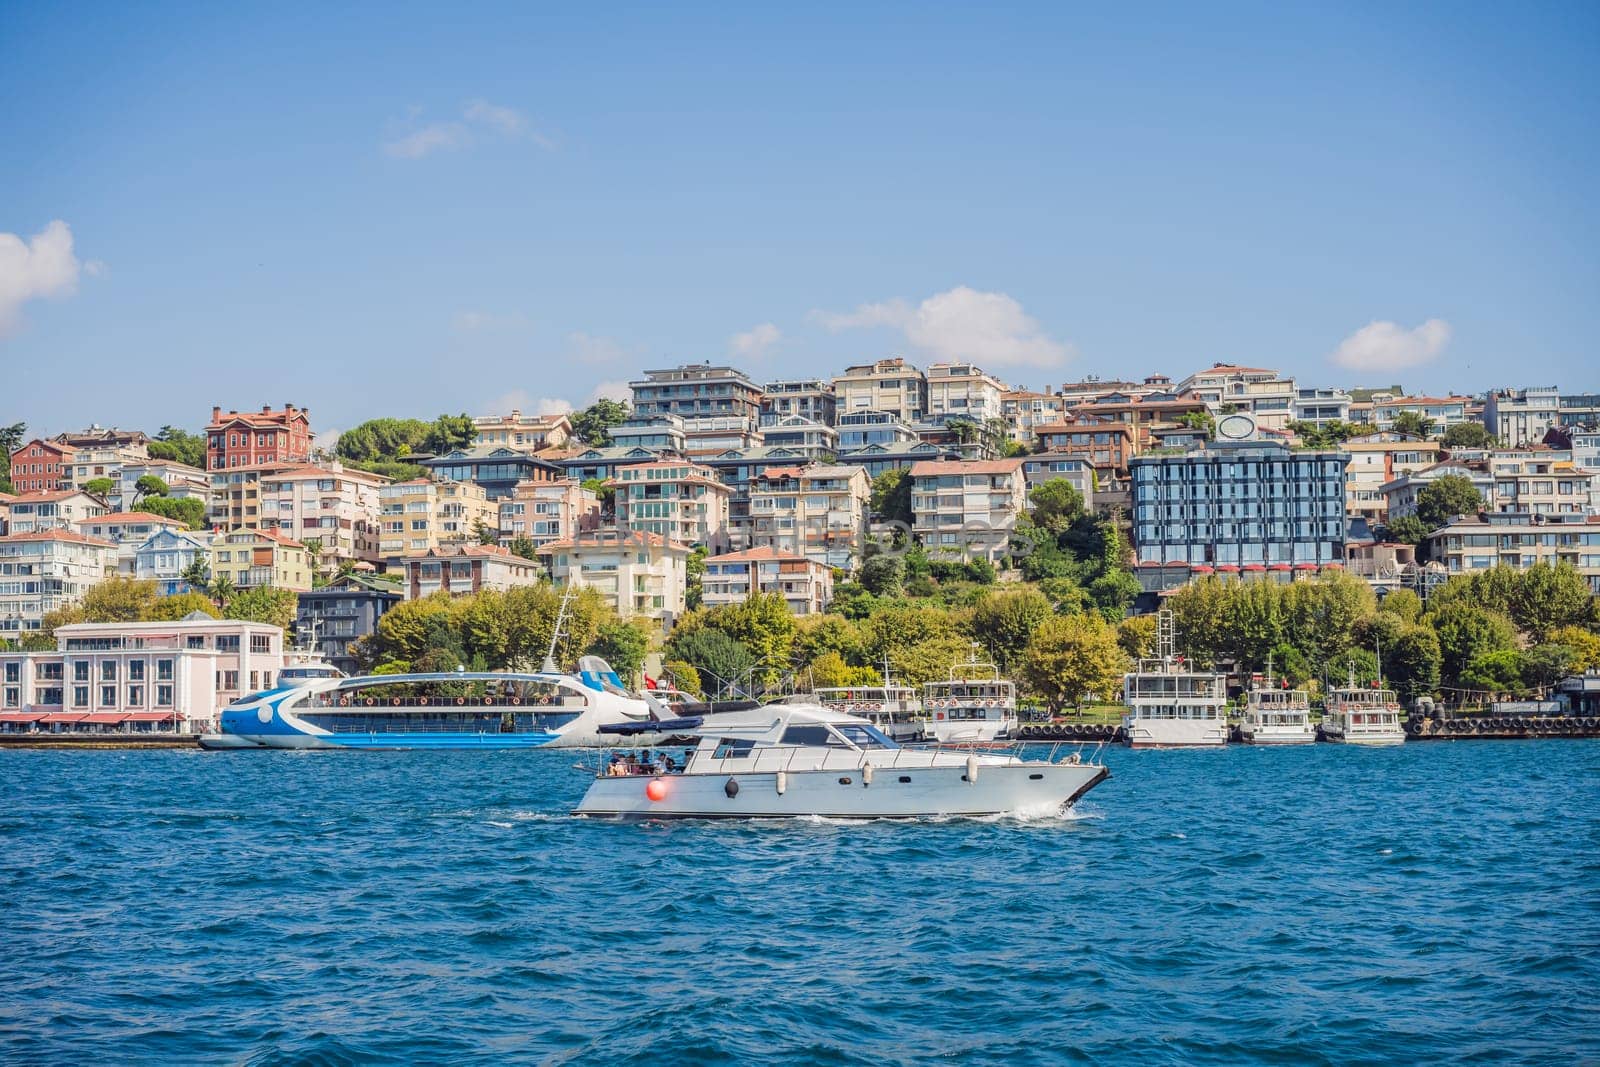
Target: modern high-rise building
[
  {"x": 1522, "y": 416},
  {"x": 889, "y": 385},
  {"x": 807, "y": 398},
  {"x": 697, "y": 390},
  {"x": 1240, "y": 503},
  {"x": 956, "y": 389}
]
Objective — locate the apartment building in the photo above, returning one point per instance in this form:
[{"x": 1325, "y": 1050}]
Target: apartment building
[
  {"x": 676, "y": 500},
  {"x": 1518, "y": 539},
  {"x": 1240, "y": 504},
  {"x": 858, "y": 429},
  {"x": 1521, "y": 417},
  {"x": 812, "y": 439},
  {"x": 887, "y": 385},
  {"x": 736, "y": 468},
  {"x": 711, "y": 434},
  {"x": 524, "y": 433},
  {"x": 182, "y": 481},
  {"x": 1044, "y": 467},
  {"x": 1400, "y": 493},
  {"x": 547, "y": 511},
  {"x": 659, "y": 433},
  {"x": 41, "y": 466},
  {"x": 255, "y": 438},
  {"x": 695, "y": 391},
  {"x": 235, "y": 497},
  {"x": 127, "y": 530},
  {"x": 1579, "y": 410},
  {"x": 963, "y": 389},
  {"x": 818, "y": 510},
  {"x": 877, "y": 459},
  {"x": 421, "y": 514},
  {"x": 1105, "y": 443},
  {"x": 166, "y": 555},
  {"x": 639, "y": 574},
  {"x": 133, "y": 677},
  {"x": 1320, "y": 406},
  {"x": 42, "y": 570},
  {"x": 803, "y": 398},
  {"x": 499, "y": 470},
  {"x": 1444, "y": 411},
  {"x": 1025, "y": 411},
  {"x": 966, "y": 507},
  {"x": 1259, "y": 391},
  {"x": 602, "y": 464},
  {"x": 348, "y": 608},
  {"x": 464, "y": 568},
  {"x": 260, "y": 559},
  {"x": 806, "y": 584},
  {"x": 61, "y": 509},
  {"x": 336, "y": 506},
  {"x": 95, "y": 459},
  {"x": 1377, "y": 459},
  {"x": 5, "y": 511},
  {"x": 1539, "y": 482}
]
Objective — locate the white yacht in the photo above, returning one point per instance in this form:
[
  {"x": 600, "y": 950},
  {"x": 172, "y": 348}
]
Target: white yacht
[
  {"x": 803, "y": 759},
  {"x": 1171, "y": 704},
  {"x": 975, "y": 705},
  {"x": 893, "y": 709},
  {"x": 1361, "y": 716},
  {"x": 1276, "y": 715}
]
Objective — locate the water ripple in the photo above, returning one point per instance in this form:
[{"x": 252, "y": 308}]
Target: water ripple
[{"x": 1428, "y": 904}]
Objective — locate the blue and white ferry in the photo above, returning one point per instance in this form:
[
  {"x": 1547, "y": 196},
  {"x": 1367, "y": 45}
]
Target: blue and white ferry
[{"x": 464, "y": 709}]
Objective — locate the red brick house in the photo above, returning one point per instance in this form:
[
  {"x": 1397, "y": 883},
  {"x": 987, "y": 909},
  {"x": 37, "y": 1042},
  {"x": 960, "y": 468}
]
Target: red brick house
[
  {"x": 41, "y": 466},
  {"x": 243, "y": 439}
]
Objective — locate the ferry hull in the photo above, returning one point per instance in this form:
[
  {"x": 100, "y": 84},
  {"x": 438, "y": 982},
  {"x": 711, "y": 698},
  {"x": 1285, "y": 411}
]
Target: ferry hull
[
  {"x": 895, "y": 793},
  {"x": 1396, "y": 738},
  {"x": 1269, "y": 737},
  {"x": 1175, "y": 733}
]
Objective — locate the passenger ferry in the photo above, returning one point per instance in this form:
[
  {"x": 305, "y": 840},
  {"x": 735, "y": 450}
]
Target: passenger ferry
[
  {"x": 1170, "y": 704},
  {"x": 974, "y": 705},
  {"x": 800, "y": 759},
  {"x": 1362, "y": 716},
  {"x": 1276, "y": 715},
  {"x": 893, "y": 709},
  {"x": 465, "y": 709}
]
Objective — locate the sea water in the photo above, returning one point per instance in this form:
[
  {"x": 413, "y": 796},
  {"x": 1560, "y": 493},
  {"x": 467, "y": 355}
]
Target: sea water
[{"x": 1322, "y": 904}]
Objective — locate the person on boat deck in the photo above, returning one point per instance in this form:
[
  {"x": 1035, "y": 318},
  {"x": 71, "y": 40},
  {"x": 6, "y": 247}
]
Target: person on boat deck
[
  {"x": 631, "y": 764},
  {"x": 667, "y": 766},
  {"x": 616, "y": 768}
]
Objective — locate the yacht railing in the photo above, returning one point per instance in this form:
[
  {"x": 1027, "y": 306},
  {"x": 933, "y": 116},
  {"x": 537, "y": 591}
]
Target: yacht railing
[{"x": 774, "y": 758}]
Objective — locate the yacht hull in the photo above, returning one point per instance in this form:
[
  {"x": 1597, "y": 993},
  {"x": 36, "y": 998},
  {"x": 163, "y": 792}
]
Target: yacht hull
[{"x": 894, "y": 793}]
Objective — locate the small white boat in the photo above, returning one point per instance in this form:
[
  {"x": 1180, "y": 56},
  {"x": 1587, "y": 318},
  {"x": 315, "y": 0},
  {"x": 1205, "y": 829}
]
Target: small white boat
[
  {"x": 893, "y": 709},
  {"x": 1358, "y": 716},
  {"x": 974, "y": 705},
  {"x": 786, "y": 760},
  {"x": 1276, "y": 715},
  {"x": 1171, "y": 704}
]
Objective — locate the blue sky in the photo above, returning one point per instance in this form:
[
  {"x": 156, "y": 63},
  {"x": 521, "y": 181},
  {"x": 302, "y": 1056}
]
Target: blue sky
[{"x": 406, "y": 209}]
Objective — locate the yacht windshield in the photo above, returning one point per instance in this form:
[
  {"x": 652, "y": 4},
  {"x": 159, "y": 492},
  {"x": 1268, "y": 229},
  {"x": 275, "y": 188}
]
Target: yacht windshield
[{"x": 863, "y": 736}]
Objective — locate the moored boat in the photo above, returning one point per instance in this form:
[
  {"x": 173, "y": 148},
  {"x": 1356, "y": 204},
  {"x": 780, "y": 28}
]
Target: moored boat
[
  {"x": 893, "y": 709},
  {"x": 1357, "y": 715},
  {"x": 1276, "y": 715},
  {"x": 974, "y": 706},
  {"x": 799, "y": 759},
  {"x": 1171, "y": 704}
]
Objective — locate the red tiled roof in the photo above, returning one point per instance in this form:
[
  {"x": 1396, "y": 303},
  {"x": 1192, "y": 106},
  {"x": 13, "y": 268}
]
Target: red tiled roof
[
  {"x": 48, "y": 495},
  {"x": 612, "y": 539},
  {"x": 131, "y": 516},
  {"x": 454, "y": 551},
  {"x": 964, "y": 466},
  {"x": 752, "y": 555},
  {"x": 71, "y": 536}
]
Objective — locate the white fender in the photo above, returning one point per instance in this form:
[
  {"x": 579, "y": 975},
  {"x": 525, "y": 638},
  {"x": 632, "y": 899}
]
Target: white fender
[
  {"x": 866, "y": 774},
  {"x": 783, "y": 782},
  {"x": 972, "y": 769}
]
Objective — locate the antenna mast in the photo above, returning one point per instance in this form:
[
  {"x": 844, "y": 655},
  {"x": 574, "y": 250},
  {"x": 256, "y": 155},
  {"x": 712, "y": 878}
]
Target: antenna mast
[{"x": 550, "y": 666}]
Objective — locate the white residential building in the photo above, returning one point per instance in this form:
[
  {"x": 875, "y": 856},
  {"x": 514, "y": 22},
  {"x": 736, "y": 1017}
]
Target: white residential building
[
  {"x": 889, "y": 385},
  {"x": 678, "y": 500},
  {"x": 806, "y": 584},
  {"x": 463, "y": 569},
  {"x": 127, "y": 530},
  {"x": 335, "y": 505},
  {"x": 43, "y": 570},
  {"x": 967, "y": 507},
  {"x": 61, "y": 509},
  {"x": 1521, "y": 417},
  {"x": 818, "y": 510},
  {"x": 423, "y": 514},
  {"x": 1320, "y": 406},
  {"x": 639, "y": 574},
  {"x": 525, "y": 433},
  {"x": 166, "y": 555},
  {"x": 1518, "y": 539},
  {"x": 1254, "y": 389},
  {"x": 182, "y": 480},
  {"x": 963, "y": 389},
  {"x": 547, "y": 511}
]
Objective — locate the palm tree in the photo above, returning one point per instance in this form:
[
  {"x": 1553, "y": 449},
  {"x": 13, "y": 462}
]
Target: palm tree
[{"x": 221, "y": 589}]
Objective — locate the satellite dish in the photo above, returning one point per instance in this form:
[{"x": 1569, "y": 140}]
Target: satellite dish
[{"x": 1237, "y": 426}]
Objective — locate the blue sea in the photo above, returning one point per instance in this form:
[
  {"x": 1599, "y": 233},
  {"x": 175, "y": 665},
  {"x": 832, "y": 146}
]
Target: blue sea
[{"x": 1436, "y": 903}]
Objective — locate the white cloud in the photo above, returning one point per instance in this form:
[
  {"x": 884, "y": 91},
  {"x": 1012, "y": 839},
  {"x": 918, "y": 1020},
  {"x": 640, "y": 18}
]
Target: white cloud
[
  {"x": 588, "y": 348},
  {"x": 754, "y": 342},
  {"x": 520, "y": 400},
  {"x": 1390, "y": 346},
  {"x": 326, "y": 440},
  {"x": 611, "y": 391},
  {"x": 43, "y": 266},
  {"x": 478, "y": 117},
  {"x": 991, "y": 329}
]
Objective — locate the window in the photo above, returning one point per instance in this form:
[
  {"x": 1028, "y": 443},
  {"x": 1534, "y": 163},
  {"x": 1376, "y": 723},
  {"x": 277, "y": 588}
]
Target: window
[
  {"x": 80, "y": 671},
  {"x": 108, "y": 696},
  {"x": 135, "y": 695},
  {"x": 136, "y": 670},
  {"x": 260, "y": 643},
  {"x": 164, "y": 670},
  {"x": 80, "y": 696},
  {"x": 163, "y": 696},
  {"x": 108, "y": 670}
]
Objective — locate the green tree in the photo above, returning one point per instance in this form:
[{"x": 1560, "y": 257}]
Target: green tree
[
  {"x": 1404, "y": 604},
  {"x": 1412, "y": 662},
  {"x": 715, "y": 657},
  {"x": 11, "y": 439},
  {"x": 1071, "y": 657},
  {"x": 623, "y": 644},
  {"x": 1056, "y": 505},
  {"x": 181, "y": 605},
  {"x": 99, "y": 486},
  {"x": 1066, "y": 596},
  {"x": 683, "y": 677},
  {"x": 883, "y": 575},
  {"x": 763, "y": 624},
  {"x": 891, "y": 496},
  {"x": 594, "y": 423},
  {"x": 149, "y": 485},
  {"x": 1414, "y": 423},
  {"x": 524, "y": 547},
  {"x": 1493, "y": 671},
  {"x": 1549, "y": 596},
  {"x": 119, "y": 600},
  {"x": 1003, "y": 620},
  {"x": 1468, "y": 435},
  {"x": 920, "y": 642},
  {"x": 221, "y": 589},
  {"x": 382, "y": 440},
  {"x": 1467, "y": 632},
  {"x": 1584, "y": 644},
  {"x": 197, "y": 575},
  {"x": 179, "y": 446},
  {"x": 1545, "y": 665},
  {"x": 1137, "y": 636},
  {"x": 1407, "y": 530},
  {"x": 448, "y": 433},
  {"x": 486, "y": 534},
  {"x": 830, "y": 670},
  {"x": 186, "y": 509},
  {"x": 263, "y": 604},
  {"x": 1445, "y": 497},
  {"x": 1327, "y": 435},
  {"x": 1114, "y": 592},
  {"x": 694, "y": 570}
]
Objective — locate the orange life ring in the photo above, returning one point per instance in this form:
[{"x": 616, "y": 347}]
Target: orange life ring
[
  {"x": 370, "y": 702},
  {"x": 517, "y": 701},
  {"x": 488, "y": 701},
  {"x": 395, "y": 702},
  {"x": 344, "y": 702},
  {"x": 422, "y": 702},
  {"x": 460, "y": 701}
]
